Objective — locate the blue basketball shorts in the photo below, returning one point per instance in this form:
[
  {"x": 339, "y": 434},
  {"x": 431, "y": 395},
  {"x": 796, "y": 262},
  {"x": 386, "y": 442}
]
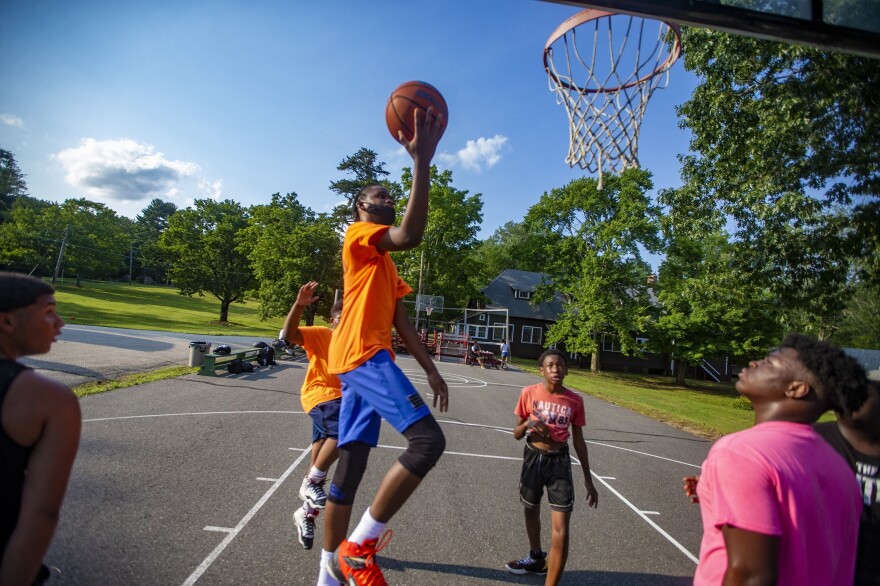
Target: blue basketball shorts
[
  {"x": 325, "y": 420},
  {"x": 375, "y": 390}
]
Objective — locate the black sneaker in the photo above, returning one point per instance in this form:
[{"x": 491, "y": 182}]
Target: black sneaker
[
  {"x": 305, "y": 528},
  {"x": 528, "y": 565}
]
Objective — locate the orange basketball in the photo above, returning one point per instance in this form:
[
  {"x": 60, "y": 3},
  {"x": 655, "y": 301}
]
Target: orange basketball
[{"x": 405, "y": 99}]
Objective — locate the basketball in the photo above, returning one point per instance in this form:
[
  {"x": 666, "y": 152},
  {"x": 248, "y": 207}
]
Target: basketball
[{"x": 405, "y": 99}]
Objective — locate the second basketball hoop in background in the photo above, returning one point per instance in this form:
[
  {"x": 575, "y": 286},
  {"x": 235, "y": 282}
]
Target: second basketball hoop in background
[{"x": 403, "y": 102}]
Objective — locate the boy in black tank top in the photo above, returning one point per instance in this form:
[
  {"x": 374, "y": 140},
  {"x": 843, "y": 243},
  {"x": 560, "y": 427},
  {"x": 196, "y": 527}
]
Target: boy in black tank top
[
  {"x": 857, "y": 439},
  {"x": 40, "y": 424}
]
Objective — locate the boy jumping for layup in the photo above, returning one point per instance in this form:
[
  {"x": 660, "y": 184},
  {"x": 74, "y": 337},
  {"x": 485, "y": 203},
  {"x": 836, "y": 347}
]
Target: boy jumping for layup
[
  {"x": 545, "y": 412},
  {"x": 321, "y": 398},
  {"x": 373, "y": 387}
]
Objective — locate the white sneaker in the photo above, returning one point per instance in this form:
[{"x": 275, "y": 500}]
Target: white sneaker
[
  {"x": 313, "y": 494},
  {"x": 305, "y": 528}
]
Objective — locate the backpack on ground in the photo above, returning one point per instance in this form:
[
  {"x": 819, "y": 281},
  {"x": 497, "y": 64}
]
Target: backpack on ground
[
  {"x": 266, "y": 357},
  {"x": 236, "y": 366}
]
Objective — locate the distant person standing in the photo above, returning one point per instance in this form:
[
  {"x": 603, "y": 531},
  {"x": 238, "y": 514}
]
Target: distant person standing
[
  {"x": 779, "y": 505},
  {"x": 321, "y": 398},
  {"x": 545, "y": 413},
  {"x": 505, "y": 354},
  {"x": 856, "y": 437},
  {"x": 40, "y": 423}
]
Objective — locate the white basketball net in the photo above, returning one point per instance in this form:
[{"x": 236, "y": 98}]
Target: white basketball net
[{"x": 606, "y": 81}]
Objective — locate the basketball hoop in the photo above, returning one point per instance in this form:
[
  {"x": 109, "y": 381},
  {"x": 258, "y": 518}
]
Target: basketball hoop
[
  {"x": 428, "y": 310},
  {"x": 605, "y": 101}
]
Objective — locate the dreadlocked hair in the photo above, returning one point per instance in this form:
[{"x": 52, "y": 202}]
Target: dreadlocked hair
[
  {"x": 841, "y": 377},
  {"x": 357, "y": 198}
]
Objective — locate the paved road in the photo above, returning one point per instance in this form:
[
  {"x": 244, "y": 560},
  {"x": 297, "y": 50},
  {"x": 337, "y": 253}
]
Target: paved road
[
  {"x": 88, "y": 353},
  {"x": 194, "y": 479}
]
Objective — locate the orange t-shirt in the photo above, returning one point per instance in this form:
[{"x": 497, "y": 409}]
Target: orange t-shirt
[
  {"x": 372, "y": 288},
  {"x": 320, "y": 386},
  {"x": 557, "y": 411}
]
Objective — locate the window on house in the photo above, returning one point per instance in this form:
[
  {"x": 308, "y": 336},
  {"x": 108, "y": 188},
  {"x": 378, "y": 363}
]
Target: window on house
[
  {"x": 610, "y": 343},
  {"x": 475, "y": 331},
  {"x": 531, "y": 335},
  {"x": 641, "y": 340},
  {"x": 523, "y": 294},
  {"x": 482, "y": 317}
]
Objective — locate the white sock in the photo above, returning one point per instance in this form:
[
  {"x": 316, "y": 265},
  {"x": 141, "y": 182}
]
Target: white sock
[
  {"x": 324, "y": 577},
  {"x": 316, "y": 475},
  {"x": 368, "y": 528}
]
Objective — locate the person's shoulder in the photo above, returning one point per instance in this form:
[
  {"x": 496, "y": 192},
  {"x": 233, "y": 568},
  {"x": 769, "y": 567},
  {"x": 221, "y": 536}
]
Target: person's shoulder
[{"x": 55, "y": 398}]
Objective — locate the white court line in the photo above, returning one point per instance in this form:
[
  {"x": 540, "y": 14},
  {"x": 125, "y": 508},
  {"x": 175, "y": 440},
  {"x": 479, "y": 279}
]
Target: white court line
[
  {"x": 218, "y": 529},
  {"x": 457, "y": 453},
  {"x": 650, "y": 512},
  {"x": 206, "y": 563},
  {"x": 189, "y": 414},
  {"x": 267, "y": 479},
  {"x": 644, "y": 516},
  {"x": 644, "y": 454},
  {"x": 232, "y": 534}
]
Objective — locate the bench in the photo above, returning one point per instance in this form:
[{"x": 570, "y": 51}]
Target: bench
[{"x": 214, "y": 361}]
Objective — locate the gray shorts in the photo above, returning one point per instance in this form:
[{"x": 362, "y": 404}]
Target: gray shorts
[{"x": 552, "y": 470}]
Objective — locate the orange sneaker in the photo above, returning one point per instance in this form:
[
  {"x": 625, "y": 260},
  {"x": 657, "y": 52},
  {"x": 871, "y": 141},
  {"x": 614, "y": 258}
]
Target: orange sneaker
[{"x": 355, "y": 565}]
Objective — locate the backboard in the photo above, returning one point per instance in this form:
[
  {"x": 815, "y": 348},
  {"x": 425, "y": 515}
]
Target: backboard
[{"x": 852, "y": 26}]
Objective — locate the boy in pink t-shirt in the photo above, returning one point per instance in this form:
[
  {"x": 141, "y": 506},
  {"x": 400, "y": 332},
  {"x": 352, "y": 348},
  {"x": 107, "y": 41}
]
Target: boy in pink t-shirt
[
  {"x": 779, "y": 505},
  {"x": 545, "y": 412}
]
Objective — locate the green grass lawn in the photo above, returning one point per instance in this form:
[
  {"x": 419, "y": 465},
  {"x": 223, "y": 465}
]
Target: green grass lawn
[
  {"x": 706, "y": 409},
  {"x": 155, "y": 307}
]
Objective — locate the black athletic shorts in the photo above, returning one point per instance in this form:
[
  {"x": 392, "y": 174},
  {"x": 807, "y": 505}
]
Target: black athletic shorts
[{"x": 546, "y": 469}]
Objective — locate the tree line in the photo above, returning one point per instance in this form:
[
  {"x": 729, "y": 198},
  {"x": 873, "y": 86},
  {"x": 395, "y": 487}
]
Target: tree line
[{"x": 774, "y": 228}]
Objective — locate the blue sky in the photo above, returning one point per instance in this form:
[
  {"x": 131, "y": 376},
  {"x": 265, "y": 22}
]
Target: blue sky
[{"x": 121, "y": 102}]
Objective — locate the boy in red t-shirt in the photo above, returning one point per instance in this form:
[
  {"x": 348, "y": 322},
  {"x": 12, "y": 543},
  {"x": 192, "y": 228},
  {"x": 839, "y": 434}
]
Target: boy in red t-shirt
[
  {"x": 321, "y": 398},
  {"x": 545, "y": 412},
  {"x": 373, "y": 387}
]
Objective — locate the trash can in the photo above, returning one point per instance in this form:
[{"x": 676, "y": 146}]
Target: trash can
[{"x": 197, "y": 351}]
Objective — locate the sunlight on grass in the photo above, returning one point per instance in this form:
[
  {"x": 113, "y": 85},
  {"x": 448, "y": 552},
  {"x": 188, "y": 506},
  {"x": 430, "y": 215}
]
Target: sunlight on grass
[
  {"x": 155, "y": 307},
  {"x": 132, "y": 380}
]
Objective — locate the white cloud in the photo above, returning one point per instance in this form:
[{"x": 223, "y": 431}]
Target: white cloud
[
  {"x": 11, "y": 120},
  {"x": 121, "y": 170},
  {"x": 477, "y": 153},
  {"x": 213, "y": 188}
]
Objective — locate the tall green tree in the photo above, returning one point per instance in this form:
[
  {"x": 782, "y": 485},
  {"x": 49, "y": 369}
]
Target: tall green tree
[
  {"x": 440, "y": 265},
  {"x": 12, "y": 183},
  {"x": 511, "y": 246},
  {"x": 30, "y": 237},
  {"x": 99, "y": 240},
  {"x": 595, "y": 260},
  {"x": 151, "y": 223},
  {"x": 289, "y": 245},
  {"x": 366, "y": 169},
  {"x": 706, "y": 309},
  {"x": 202, "y": 244},
  {"x": 784, "y": 146}
]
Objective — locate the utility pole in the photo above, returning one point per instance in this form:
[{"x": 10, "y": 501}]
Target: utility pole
[
  {"x": 61, "y": 254},
  {"x": 130, "y": 246}
]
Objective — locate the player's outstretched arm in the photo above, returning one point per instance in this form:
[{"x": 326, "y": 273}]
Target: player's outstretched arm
[
  {"x": 58, "y": 420},
  {"x": 580, "y": 447},
  {"x": 410, "y": 338},
  {"x": 291, "y": 323},
  {"x": 428, "y": 130}
]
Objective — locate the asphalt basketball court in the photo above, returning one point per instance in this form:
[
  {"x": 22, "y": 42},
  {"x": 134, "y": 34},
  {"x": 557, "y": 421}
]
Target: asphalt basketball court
[{"x": 194, "y": 480}]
